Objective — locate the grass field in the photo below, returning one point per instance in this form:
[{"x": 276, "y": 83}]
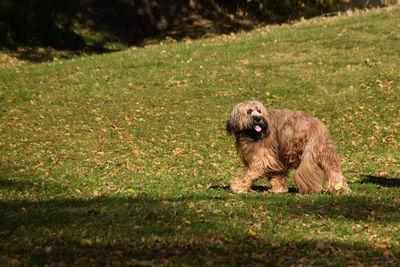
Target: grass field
[{"x": 123, "y": 158}]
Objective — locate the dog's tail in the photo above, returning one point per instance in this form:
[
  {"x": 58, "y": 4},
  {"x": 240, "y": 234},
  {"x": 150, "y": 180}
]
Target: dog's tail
[{"x": 307, "y": 176}]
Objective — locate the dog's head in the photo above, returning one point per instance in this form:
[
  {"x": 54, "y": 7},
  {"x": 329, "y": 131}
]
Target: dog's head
[{"x": 248, "y": 117}]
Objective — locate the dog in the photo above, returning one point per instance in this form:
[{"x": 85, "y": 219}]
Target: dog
[{"x": 271, "y": 142}]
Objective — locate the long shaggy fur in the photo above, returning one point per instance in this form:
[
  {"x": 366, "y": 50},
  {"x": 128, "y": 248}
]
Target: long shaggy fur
[{"x": 271, "y": 142}]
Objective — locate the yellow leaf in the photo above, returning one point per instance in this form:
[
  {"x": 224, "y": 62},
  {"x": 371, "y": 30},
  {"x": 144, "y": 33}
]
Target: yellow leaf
[
  {"x": 86, "y": 242},
  {"x": 338, "y": 186},
  {"x": 252, "y": 232}
]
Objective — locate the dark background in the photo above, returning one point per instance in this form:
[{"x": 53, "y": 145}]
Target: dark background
[{"x": 87, "y": 25}]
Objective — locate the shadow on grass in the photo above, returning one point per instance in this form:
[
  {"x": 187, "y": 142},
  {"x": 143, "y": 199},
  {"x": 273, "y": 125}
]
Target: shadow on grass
[
  {"x": 193, "y": 229},
  {"x": 256, "y": 188},
  {"x": 245, "y": 251},
  {"x": 142, "y": 230},
  {"x": 381, "y": 180},
  {"x": 142, "y": 210}
]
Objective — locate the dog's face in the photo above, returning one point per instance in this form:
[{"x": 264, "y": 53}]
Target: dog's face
[{"x": 248, "y": 117}]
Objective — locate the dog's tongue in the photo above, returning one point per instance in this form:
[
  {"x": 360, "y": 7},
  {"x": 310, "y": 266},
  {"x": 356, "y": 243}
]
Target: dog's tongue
[{"x": 257, "y": 128}]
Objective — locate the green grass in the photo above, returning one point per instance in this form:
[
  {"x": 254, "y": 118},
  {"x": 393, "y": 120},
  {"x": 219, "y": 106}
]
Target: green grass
[{"x": 123, "y": 159}]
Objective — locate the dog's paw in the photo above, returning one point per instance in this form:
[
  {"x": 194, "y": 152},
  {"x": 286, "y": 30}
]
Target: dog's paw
[
  {"x": 340, "y": 188},
  {"x": 239, "y": 190},
  {"x": 278, "y": 190}
]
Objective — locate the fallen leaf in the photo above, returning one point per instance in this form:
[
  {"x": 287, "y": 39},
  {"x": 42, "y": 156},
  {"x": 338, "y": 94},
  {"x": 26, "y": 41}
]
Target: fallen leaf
[
  {"x": 338, "y": 186},
  {"x": 47, "y": 250},
  {"x": 86, "y": 242},
  {"x": 252, "y": 232},
  {"x": 320, "y": 244}
]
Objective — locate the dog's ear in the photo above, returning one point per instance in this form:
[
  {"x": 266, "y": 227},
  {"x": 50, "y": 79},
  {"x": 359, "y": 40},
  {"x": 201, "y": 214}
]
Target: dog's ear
[
  {"x": 229, "y": 126},
  {"x": 232, "y": 122}
]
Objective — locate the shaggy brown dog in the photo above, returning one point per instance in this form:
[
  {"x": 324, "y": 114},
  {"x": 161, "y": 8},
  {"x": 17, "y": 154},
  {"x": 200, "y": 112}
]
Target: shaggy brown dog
[{"x": 274, "y": 141}]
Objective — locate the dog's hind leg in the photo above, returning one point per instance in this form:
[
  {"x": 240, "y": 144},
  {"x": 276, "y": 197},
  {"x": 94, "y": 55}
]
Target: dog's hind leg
[
  {"x": 308, "y": 175},
  {"x": 336, "y": 183},
  {"x": 242, "y": 184},
  {"x": 329, "y": 162}
]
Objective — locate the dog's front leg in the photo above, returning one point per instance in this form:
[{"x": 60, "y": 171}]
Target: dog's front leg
[{"x": 242, "y": 183}]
